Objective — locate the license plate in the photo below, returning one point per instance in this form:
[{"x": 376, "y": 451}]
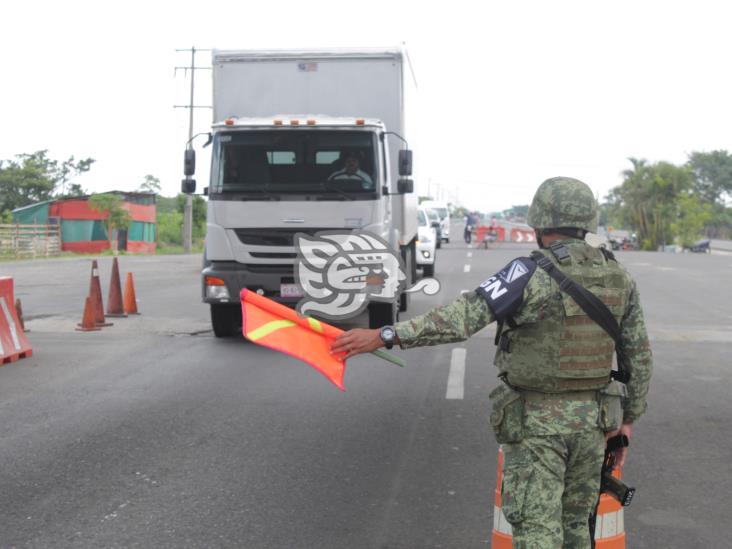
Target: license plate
[{"x": 290, "y": 290}]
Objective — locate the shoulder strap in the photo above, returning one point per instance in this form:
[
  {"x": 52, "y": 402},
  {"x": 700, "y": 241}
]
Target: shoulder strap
[{"x": 589, "y": 303}]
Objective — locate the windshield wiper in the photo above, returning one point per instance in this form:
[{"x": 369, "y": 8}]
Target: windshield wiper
[{"x": 326, "y": 185}]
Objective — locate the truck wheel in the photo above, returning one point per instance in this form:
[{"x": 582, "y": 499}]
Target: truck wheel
[
  {"x": 447, "y": 240},
  {"x": 225, "y": 319},
  {"x": 428, "y": 270},
  {"x": 382, "y": 314}
]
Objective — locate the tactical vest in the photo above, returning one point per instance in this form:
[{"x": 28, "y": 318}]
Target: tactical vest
[{"x": 561, "y": 349}]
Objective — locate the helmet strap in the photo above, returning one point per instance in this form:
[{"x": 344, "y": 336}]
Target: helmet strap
[{"x": 539, "y": 233}]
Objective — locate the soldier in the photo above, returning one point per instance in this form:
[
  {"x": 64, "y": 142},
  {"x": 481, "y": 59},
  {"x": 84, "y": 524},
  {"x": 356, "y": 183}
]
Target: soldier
[{"x": 557, "y": 402}]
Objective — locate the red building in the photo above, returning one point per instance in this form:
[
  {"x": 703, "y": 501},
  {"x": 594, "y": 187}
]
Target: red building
[{"x": 84, "y": 230}]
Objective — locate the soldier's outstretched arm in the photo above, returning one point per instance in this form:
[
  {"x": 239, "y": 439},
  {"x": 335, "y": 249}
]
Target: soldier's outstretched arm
[{"x": 448, "y": 324}]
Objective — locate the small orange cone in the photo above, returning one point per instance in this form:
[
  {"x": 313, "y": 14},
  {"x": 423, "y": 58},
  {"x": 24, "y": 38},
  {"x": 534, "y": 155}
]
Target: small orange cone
[
  {"x": 130, "y": 299},
  {"x": 95, "y": 293},
  {"x": 114, "y": 299},
  {"x": 87, "y": 323}
]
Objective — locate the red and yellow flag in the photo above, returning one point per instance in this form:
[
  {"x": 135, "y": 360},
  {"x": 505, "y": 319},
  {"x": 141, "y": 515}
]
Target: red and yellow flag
[{"x": 273, "y": 325}]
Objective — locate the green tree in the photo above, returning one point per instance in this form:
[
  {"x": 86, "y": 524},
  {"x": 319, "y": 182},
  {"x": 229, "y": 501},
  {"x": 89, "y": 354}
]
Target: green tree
[
  {"x": 712, "y": 173},
  {"x": 111, "y": 205},
  {"x": 151, "y": 184},
  {"x": 169, "y": 228},
  {"x": 720, "y": 222},
  {"x": 647, "y": 200},
  {"x": 520, "y": 211},
  {"x": 35, "y": 177},
  {"x": 692, "y": 215},
  {"x": 199, "y": 213}
]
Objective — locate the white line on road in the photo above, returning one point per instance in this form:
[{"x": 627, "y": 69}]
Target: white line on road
[
  {"x": 466, "y": 269},
  {"x": 470, "y": 254},
  {"x": 456, "y": 378},
  {"x": 463, "y": 292}
]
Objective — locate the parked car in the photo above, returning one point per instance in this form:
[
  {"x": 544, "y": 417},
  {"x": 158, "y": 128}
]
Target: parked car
[
  {"x": 426, "y": 244},
  {"x": 444, "y": 214},
  {"x": 434, "y": 220},
  {"x": 702, "y": 247}
]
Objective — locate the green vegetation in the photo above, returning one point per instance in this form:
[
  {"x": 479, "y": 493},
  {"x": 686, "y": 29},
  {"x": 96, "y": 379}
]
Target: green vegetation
[
  {"x": 32, "y": 178},
  {"x": 664, "y": 203},
  {"x": 117, "y": 217},
  {"x": 170, "y": 223}
]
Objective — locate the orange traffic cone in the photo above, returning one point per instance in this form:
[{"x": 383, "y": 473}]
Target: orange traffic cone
[
  {"x": 95, "y": 293},
  {"x": 114, "y": 299},
  {"x": 87, "y": 323},
  {"x": 130, "y": 299}
]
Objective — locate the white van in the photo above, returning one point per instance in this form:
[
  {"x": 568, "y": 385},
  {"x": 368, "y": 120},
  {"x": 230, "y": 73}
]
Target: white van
[{"x": 443, "y": 213}]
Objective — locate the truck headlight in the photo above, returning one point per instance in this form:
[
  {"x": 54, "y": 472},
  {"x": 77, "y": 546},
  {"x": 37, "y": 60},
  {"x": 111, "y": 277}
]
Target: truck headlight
[{"x": 216, "y": 289}]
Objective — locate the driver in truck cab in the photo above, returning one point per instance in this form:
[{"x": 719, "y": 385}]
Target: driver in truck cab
[{"x": 351, "y": 170}]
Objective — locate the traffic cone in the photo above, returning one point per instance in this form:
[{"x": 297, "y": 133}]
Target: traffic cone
[
  {"x": 130, "y": 299},
  {"x": 114, "y": 299},
  {"x": 95, "y": 293},
  {"x": 87, "y": 323},
  {"x": 19, "y": 310}
]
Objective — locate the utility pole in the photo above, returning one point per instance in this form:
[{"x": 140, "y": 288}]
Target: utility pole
[{"x": 188, "y": 208}]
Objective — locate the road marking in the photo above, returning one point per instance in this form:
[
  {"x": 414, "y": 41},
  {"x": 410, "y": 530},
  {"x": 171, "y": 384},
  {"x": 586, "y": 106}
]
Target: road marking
[
  {"x": 463, "y": 292},
  {"x": 456, "y": 378},
  {"x": 466, "y": 269},
  {"x": 470, "y": 254}
]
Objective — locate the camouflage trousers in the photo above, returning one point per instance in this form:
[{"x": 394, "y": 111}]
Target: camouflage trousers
[{"x": 550, "y": 487}]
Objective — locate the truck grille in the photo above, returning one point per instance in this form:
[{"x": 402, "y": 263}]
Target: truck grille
[
  {"x": 266, "y": 255},
  {"x": 272, "y": 237},
  {"x": 267, "y": 268}
]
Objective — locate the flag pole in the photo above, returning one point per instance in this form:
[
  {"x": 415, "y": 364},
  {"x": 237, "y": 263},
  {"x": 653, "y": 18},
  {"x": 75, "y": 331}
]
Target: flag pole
[{"x": 389, "y": 357}]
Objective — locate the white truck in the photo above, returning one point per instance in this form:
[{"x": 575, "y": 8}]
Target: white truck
[{"x": 284, "y": 123}]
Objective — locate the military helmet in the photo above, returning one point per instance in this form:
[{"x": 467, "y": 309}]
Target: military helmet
[{"x": 563, "y": 202}]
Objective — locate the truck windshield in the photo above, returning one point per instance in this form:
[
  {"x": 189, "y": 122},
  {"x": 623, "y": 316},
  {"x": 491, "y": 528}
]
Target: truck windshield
[{"x": 325, "y": 164}]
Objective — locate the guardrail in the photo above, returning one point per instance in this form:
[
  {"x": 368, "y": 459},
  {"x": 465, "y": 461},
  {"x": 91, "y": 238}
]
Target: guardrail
[{"x": 29, "y": 241}]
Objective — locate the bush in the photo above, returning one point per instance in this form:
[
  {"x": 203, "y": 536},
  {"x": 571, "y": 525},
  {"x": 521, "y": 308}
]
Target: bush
[{"x": 170, "y": 228}]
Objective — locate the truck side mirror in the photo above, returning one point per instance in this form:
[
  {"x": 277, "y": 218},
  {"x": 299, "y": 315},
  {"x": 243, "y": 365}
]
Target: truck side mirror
[
  {"x": 188, "y": 186},
  {"x": 405, "y": 162},
  {"x": 405, "y": 186},
  {"x": 189, "y": 163}
]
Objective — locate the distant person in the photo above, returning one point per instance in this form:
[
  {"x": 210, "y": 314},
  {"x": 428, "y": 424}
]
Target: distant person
[
  {"x": 469, "y": 224},
  {"x": 351, "y": 170},
  {"x": 493, "y": 228}
]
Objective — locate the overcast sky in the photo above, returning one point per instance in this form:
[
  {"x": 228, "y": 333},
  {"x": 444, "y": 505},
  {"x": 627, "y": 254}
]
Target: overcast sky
[{"x": 511, "y": 93}]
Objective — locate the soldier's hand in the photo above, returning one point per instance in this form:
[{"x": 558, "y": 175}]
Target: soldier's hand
[
  {"x": 621, "y": 453},
  {"x": 357, "y": 341}
]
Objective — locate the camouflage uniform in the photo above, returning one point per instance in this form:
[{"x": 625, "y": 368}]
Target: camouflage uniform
[{"x": 557, "y": 361}]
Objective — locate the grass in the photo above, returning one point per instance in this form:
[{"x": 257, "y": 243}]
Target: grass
[{"x": 162, "y": 249}]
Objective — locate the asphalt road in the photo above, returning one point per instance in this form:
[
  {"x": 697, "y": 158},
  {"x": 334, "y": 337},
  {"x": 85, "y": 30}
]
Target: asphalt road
[{"x": 153, "y": 433}]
